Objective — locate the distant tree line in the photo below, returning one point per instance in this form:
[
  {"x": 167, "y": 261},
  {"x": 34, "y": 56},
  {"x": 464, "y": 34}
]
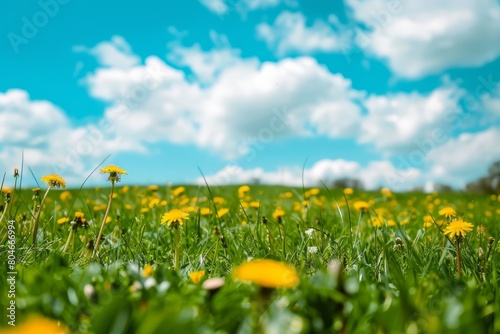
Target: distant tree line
[{"x": 489, "y": 184}]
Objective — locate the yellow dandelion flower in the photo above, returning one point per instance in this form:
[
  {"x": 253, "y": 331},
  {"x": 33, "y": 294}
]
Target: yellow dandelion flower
[
  {"x": 243, "y": 190},
  {"x": 254, "y": 204},
  {"x": 218, "y": 200},
  {"x": 386, "y": 192},
  {"x": 38, "y": 324},
  {"x": 196, "y": 276},
  {"x": 125, "y": 189},
  {"x": 458, "y": 227},
  {"x": 54, "y": 181},
  {"x": 153, "y": 203},
  {"x": 175, "y": 217},
  {"x": 278, "y": 213},
  {"x": 268, "y": 274},
  {"x": 79, "y": 214},
  {"x": 177, "y": 191},
  {"x": 222, "y": 212},
  {"x": 147, "y": 271},
  {"x": 144, "y": 210},
  {"x": 428, "y": 221},
  {"x": 348, "y": 191},
  {"x": 361, "y": 206},
  {"x": 205, "y": 211},
  {"x": 65, "y": 195},
  {"x": 128, "y": 206},
  {"x": 153, "y": 187},
  {"x": 114, "y": 172},
  {"x": 62, "y": 220},
  {"x": 376, "y": 222},
  {"x": 391, "y": 222},
  {"x": 108, "y": 219},
  {"x": 448, "y": 212},
  {"x": 288, "y": 194}
]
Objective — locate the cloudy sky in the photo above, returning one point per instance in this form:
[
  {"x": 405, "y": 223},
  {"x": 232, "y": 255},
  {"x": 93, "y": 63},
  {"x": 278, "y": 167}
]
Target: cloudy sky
[{"x": 398, "y": 94}]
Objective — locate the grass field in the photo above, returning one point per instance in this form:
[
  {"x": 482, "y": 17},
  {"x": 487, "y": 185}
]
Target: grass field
[{"x": 356, "y": 262}]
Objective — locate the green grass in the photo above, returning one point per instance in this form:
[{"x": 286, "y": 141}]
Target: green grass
[{"x": 360, "y": 279}]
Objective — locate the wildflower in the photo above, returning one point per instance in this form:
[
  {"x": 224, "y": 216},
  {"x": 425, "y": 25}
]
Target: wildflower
[
  {"x": 278, "y": 213},
  {"x": 428, "y": 221},
  {"x": 243, "y": 190},
  {"x": 348, "y": 191},
  {"x": 213, "y": 284},
  {"x": 361, "y": 206},
  {"x": 38, "y": 324},
  {"x": 147, "y": 271},
  {"x": 153, "y": 187},
  {"x": 309, "y": 232},
  {"x": 254, "y": 204},
  {"x": 153, "y": 203},
  {"x": 218, "y": 200},
  {"x": 205, "y": 211},
  {"x": 175, "y": 217},
  {"x": 222, "y": 212},
  {"x": 196, "y": 276},
  {"x": 65, "y": 195},
  {"x": 457, "y": 228},
  {"x": 62, "y": 220},
  {"x": 54, "y": 181},
  {"x": 268, "y": 274},
  {"x": 376, "y": 222},
  {"x": 386, "y": 192},
  {"x": 448, "y": 212},
  {"x": 176, "y": 192},
  {"x": 114, "y": 171},
  {"x": 312, "y": 250}
]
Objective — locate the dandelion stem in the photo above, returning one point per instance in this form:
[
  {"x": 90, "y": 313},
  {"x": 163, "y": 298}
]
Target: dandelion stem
[
  {"x": 98, "y": 241},
  {"x": 37, "y": 217},
  {"x": 459, "y": 259},
  {"x": 70, "y": 238},
  {"x": 176, "y": 248}
]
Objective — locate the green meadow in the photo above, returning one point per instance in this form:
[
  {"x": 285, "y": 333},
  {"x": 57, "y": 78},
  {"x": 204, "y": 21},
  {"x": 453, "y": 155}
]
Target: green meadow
[{"x": 188, "y": 259}]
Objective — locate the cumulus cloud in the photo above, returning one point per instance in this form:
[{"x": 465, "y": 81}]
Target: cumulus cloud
[
  {"x": 397, "y": 123},
  {"x": 465, "y": 158},
  {"x": 114, "y": 53},
  {"x": 241, "y": 101},
  {"x": 44, "y": 133},
  {"x": 375, "y": 175},
  {"x": 290, "y": 34},
  {"x": 419, "y": 38},
  {"x": 243, "y": 6}
]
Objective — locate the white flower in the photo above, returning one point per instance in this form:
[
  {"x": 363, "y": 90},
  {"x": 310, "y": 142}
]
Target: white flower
[
  {"x": 149, "y": 283},
  {"x": 309, "y": 232},
  {"x": 312, "y": 250}
]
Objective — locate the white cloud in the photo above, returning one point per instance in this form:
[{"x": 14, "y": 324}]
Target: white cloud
[
  {"x": 375, "y": 175},
  {"x": 114, "y": 53},
  {"x": 419, "y": 38},
  {"x": 243, "y": 6},
  {"x": 216, "y": 6},
  {"x": 289, "y": 33},
  {"x": 242, "y": 101},
  {"x": 465, "y": 158},
  {"x": 397, "y": 123},
  {"x": 50, "y": 143},
  {"x": 206, "y": 66}
]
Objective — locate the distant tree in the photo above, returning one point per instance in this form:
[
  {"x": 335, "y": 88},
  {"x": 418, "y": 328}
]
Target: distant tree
[
  {"x": 443, "y": 188},
  {"x": 347, "y": 182},
  {"x": 489, "y": 184}
]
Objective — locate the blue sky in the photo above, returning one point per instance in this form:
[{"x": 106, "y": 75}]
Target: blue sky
[{"x": 397, "y": 94}]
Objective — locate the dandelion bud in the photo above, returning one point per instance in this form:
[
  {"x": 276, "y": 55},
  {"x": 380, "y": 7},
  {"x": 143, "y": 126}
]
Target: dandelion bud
[{"x": 16, "y": 172}]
